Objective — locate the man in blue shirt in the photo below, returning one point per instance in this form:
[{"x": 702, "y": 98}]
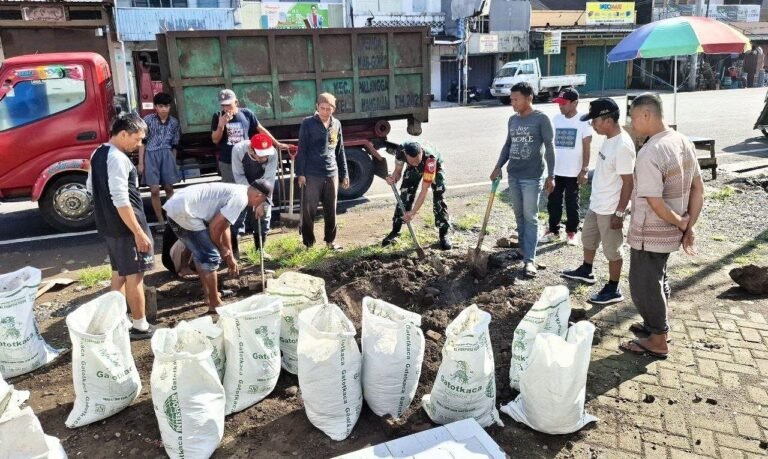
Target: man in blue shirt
[{"x": 320, "y": 165}]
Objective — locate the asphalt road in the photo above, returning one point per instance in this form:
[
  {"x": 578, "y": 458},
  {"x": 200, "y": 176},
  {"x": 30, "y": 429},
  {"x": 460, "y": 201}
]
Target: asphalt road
[{"x": 469, "y": 138}]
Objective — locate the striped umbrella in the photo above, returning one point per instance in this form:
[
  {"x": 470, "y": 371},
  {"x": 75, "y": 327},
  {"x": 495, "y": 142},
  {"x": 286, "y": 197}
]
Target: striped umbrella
[{"x": 680, "y": 36}]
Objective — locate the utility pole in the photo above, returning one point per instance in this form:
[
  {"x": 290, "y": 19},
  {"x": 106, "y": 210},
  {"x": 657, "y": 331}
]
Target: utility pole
[{"x": 694, "y": 59}]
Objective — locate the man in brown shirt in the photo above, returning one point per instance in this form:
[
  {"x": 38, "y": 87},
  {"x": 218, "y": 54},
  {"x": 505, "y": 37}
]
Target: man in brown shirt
[{"x": 667, "y": 199}]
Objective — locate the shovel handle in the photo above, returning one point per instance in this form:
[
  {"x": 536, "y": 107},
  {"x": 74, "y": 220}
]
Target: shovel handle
[
  {"x": 416, "y": 244},
  {"x": 488, "y": 207},
  {"x": 261, "y": 254}
]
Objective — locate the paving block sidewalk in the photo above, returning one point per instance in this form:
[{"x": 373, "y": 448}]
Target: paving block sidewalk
[{"x": 708, "y": 399}]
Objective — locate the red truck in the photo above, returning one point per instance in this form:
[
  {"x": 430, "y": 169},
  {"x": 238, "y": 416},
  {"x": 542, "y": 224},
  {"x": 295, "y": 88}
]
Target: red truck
[{"x": 55, "y": 109}]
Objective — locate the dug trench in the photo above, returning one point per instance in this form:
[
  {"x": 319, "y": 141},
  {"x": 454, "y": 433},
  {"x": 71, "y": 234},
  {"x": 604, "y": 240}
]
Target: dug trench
[{"x": 277, "y": 426}]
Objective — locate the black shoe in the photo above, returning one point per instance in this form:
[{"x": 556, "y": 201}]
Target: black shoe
[
  {"x": 445, "y": 243},
  {"x": 581, "y": 273},
  {"x": 607, "y": 295},
  {"x": 138, "y": 335},
  {"x": 390, "y": 239}
]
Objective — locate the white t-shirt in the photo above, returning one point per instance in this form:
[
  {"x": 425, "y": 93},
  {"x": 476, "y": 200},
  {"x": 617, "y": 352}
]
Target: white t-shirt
[
  {"x": 195, "y": 206},
  {"x": 616, "y": 158},
  {"x": 569, "y": 132}
]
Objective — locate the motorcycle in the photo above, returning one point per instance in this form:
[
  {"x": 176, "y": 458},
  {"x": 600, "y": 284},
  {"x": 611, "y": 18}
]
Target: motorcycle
[
  {"x": 762, "y": 120},
  {"x": 472, "y": 94}
]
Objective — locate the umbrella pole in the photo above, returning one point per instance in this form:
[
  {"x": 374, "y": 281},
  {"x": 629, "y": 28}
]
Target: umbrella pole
[{"x": 674, "y": 110}]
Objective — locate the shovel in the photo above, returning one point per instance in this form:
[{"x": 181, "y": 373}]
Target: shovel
[
  {"x": 418, "y": 248},
  {"x": 261, "y": 255},
  {"x": 290, "y": 219},
  {"x": 476, "y": 257}
]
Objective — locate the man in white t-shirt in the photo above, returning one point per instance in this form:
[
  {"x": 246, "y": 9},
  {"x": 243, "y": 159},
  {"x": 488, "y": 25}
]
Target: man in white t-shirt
[
  {"x": 573, "y": 140},
  {"x": 201, "y": 215},
  {"x": 611, "y": 191}
]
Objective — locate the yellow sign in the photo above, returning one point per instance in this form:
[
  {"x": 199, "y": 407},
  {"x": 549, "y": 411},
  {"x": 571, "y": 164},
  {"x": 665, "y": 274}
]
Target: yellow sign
[
  {"x": 552, "y": 42},
  {"x": 610, "y": 13}
]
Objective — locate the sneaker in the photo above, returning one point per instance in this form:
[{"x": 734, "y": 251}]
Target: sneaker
[
  {"x": 549, "y": 236},
  {"x": 571, "y": 239},
  {"x": 390, "y": 239},
  {"x": 267, "y": 256},
  {"x": 581, "y": 274},
  {"x": 607, "y": 296},
  {"x": 530, "y": 269},
  {"x": 138, "y": 335},
  {"x": 334, "y": 247}
]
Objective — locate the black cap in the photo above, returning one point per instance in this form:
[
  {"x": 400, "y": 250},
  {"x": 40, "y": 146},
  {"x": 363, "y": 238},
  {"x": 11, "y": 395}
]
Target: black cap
[
  {"x": 566, "y": 95},
  {"x": 600, "y": 107},
  {"x": 411, "y": 149},
  {"x": 265, "y": 188}
]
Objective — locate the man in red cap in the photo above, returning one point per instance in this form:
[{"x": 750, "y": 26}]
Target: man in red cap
[
  {"x": 573, "y": 139},
  {"x": 256, "y": 159}
]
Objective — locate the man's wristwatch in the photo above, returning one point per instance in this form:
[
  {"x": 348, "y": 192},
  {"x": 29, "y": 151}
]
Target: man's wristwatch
[{"x": 620, "y": 214}]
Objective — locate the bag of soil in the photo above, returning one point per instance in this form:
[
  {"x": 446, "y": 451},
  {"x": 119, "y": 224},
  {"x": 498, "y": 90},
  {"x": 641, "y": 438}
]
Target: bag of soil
[
  {"x": 465, "y": 386},
  {"x": 186, "y": 393},
  {"x": 251, "y": 332},
  {"x": 103, "y": 371},
  {"x": 298, "y": 292},
  {"x": 553, "y": 388},
  {"x": 22, "y": 348},
  {"x": 329, "y": 370},
  {"x": 215, "y": 335},
  {"x": 393, "y": 351},
  {"x": 548, "y": 315}
]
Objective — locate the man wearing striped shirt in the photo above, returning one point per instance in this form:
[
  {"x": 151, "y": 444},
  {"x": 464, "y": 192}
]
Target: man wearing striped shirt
[{"x": 157, "y": 157}]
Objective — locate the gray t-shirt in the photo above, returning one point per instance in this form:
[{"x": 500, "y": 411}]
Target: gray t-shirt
[{"x": 523, "y": 149}]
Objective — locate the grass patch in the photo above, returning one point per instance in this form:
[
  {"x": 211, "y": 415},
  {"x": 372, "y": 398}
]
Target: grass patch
[
  {"x": 719, "y": 238},
  {"x": 429, "y": 219},
  {"x": 543, "y": 216},
  {"x": 581, "y": 290},
  {"x": 89, "y": 277},
  {"x": 585, "y": 193},
  {"x": 723, "y": 194},
  {"x": 467, "y": 221}
]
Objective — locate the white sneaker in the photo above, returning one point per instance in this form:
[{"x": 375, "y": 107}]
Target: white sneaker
[
  {"x": 530, "y": 269},
  {"x": 548, "y": 237},
  {"x": 572, "y": 239}
]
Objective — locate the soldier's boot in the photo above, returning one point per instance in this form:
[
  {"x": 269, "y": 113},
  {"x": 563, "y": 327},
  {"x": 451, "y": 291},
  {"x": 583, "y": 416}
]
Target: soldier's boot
[
  {"x": 445, "y": 242},
  {"x": 393, "y": 235}
]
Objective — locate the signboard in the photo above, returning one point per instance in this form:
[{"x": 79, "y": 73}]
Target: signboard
[
  {"x": 605, "y": 13},
  {"x": 48, "y": 13},
  {"x": 284, "y": 15},
  {"x": 488, "y": 43},
  {"x": 740, "y": 13},
  {"x": 552, "y": 42}
]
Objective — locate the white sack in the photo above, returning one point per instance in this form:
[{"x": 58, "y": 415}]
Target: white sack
[
  {"x": 22, "y": 348},
  {"x": 103, "y": 371},
  {"x": 215, "y": 335},
  {"x": 553, "y": 388},
  {"x": 393, "y": 351},
  {"x": 186, "y": 393},
  {"x": 251, "y": 344},
  {"x": 329, "y": 370},
  {"x": 298, "y": 292},
  {"x": 548, "y": 315},
  {"x": 465, "y": 386}
]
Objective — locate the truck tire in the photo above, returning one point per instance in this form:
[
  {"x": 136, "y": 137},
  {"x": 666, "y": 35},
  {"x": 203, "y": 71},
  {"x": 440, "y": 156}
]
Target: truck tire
[
  {"x": 360, "y": 167},
  {"x": 505, "y": 100},
  {"x": 66, "y": 205}
]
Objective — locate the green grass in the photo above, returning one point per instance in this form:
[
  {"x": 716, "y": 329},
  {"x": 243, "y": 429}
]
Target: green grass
[
  {"x": 543, "y": 215},
  {"x": 747, "y": 259},
  {"x": 467, "y": 221},
  {"x": 719, "y": 238},
  {"x": 723, "y": 194},
  {"x": 581, "y": 290},
  {"x": 585, "y": 193},
  {"x": 89, "y": 277},
  {"x": 429, "y": 219}
]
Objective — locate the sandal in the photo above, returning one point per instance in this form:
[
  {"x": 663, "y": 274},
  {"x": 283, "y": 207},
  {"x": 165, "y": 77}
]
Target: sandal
[
  {"x": 226, "y": 293},
  {"x": 643, "y": 350},
  {"x": 641, "y": 331}
]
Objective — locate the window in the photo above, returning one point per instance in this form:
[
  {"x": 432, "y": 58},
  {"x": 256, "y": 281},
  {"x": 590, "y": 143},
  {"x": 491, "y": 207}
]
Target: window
[
  {"x": 526, "y": 69},
  {"x": 32, "y": 100},
  {"x": 506, "y": 72}
]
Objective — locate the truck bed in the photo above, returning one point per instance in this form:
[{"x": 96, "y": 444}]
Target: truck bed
[
  {"x": 557, "y": 82},
  {"x": 375, "y": 73}
]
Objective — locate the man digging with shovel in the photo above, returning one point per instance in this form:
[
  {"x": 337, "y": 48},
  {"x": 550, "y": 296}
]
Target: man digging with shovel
[{"x": 425, "y": 166}]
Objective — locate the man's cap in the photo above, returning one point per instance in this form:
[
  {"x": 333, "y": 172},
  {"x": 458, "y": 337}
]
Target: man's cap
[
  {"x": 600, "y": 107},
  {"x": 262, "y": 145},
  {"x": 566, "y": 95},
  {"x": 227, "y": 96},
  {"x": 265, "y": 188},
  {"x": 411, "y": 149}
]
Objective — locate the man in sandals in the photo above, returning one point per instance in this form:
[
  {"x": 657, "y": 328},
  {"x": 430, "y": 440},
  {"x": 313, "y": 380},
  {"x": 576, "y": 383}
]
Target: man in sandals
[
  {"x": 666, "y": 202},
  {"x": 201, "y": 216},
  {"x": 611, "y": 190}
]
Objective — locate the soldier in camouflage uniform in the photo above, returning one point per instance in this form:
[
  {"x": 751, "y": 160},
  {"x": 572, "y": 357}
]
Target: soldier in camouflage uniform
[{"x": 425, "y": 166}]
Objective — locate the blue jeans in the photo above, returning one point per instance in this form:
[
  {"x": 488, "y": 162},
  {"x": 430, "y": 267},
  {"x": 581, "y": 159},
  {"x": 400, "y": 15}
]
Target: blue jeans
[
  {"x": 204, "y": 252},
  {"x": 524, "y": 194}
]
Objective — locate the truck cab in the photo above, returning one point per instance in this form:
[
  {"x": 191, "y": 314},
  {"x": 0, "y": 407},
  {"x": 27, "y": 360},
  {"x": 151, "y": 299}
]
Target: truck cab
[{"x": 55, "y": 110}]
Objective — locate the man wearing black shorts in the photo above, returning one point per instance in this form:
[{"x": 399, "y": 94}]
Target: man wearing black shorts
[{"x": 114, "y": 183}]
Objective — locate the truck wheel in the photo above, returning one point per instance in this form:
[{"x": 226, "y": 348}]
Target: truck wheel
[
  {"x": 505, "y": 100},
  {"x": 360, "y": 167},
  {"x": 66, "y": 205}
]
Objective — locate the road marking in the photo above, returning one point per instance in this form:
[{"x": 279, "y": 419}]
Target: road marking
[{"x": 374, "y": 197}]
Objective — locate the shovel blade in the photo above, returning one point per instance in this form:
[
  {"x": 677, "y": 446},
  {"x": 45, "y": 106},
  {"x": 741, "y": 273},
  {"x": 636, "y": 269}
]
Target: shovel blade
[{"x": 478, "y": 260}]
